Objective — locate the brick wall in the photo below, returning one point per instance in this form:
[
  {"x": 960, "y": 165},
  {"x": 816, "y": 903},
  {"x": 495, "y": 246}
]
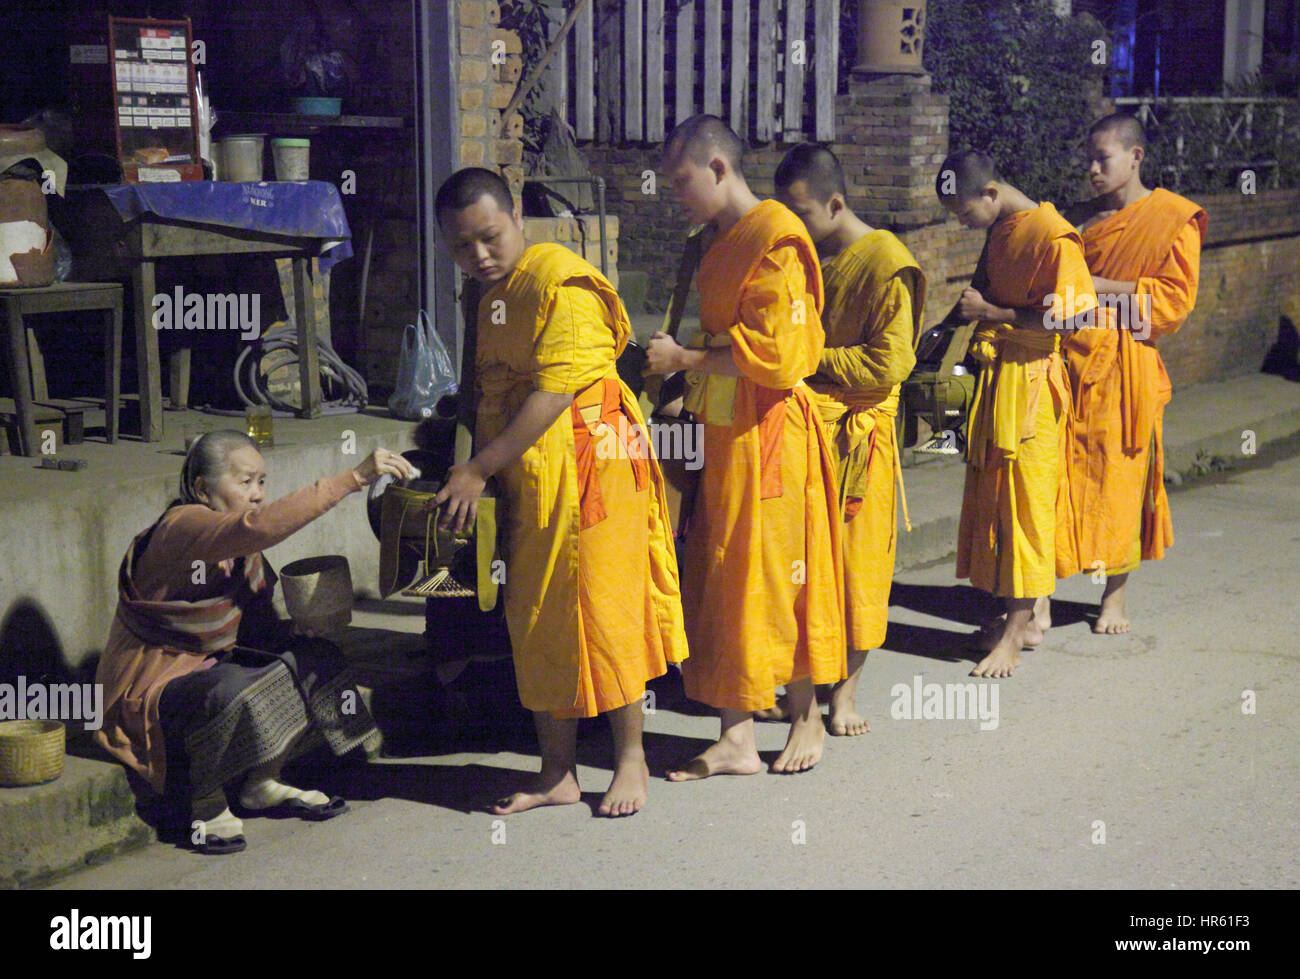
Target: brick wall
[
  {"x": 1249, "y": 281},
  {"x": 491, "y": 68},
  {"x": 893, "y": 135}
]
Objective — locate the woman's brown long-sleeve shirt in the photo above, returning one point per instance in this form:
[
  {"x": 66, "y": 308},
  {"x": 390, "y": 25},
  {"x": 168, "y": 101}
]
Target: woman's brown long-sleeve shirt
[{"x": 188, "y": 539}]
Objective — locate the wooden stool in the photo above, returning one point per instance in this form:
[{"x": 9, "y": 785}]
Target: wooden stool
[{"x": 62, "y": 297}]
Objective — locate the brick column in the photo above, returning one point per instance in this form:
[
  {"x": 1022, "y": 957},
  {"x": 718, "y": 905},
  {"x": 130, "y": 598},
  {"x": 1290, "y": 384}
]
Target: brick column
[
  {"x": 491, "y": 65},
  {"x": 891, "y": 136}
]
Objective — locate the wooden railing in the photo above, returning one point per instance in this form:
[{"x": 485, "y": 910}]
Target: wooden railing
[
  {"x": 1198, "y": 137},
  {"x": 630, "y": 70}
]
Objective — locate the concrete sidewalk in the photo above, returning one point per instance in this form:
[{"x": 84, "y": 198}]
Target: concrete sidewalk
[
  {"x": 86, "y": 816},
  {"x": 1163, "y": 760}
]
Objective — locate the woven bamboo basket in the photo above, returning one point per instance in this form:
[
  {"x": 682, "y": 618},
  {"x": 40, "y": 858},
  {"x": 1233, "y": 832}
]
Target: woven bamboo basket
[{"x": 31, "y": 752}]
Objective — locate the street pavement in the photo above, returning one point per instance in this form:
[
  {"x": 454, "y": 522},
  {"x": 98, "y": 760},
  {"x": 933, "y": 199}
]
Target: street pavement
[{"x": 1167, "y": 758}]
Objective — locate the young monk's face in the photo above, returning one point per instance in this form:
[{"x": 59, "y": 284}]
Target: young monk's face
[
  {"x": 1110, "y": 165},
  {"x": 697, "y": 189},
  {"x": 241, "y": 487},
  {"x": 484, "y": 239},
  {"x": 817, "y": 217},
  {"x": 980, "y": 211}
]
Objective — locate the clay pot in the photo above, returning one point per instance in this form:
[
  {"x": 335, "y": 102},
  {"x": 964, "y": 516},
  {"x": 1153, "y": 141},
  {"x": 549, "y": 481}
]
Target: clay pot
[{"x": 890, "y": 36}]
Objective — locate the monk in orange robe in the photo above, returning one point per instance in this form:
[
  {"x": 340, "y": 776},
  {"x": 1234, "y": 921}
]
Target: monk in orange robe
[
  {"x": 875, "y": 293},
  {"x": 1016, "y": 533},
  {"x": 593, "y": 604},
  {"x": 1144, "y": 250},
  {"x": 763, "y": 577}
]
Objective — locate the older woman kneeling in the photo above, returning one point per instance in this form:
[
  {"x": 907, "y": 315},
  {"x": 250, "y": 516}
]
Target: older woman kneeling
[{"x": 203, "y": 683}]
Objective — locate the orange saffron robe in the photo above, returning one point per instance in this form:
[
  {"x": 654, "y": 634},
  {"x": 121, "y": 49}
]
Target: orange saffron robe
[
  {"x": 763, "y": 579},
  {"x": 1120, "y": 384},
  {"x": 592, "y": 598},
  {"x": 875, "y": 294},
  {"x": 1016, "y": 533}
]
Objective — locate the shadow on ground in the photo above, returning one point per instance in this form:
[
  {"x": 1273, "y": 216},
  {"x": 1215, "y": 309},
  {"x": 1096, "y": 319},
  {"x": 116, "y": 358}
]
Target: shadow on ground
[
  {"x": 477, "y": 711},
  {"x": 966, "y": 605}
]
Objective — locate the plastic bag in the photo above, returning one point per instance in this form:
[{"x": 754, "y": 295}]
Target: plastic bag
[
  {"x": 424, "y": 372},
  {"x": 62, "y": 257}
]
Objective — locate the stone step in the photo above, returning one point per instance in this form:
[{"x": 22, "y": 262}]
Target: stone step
[{"x": 84, "y": 817}]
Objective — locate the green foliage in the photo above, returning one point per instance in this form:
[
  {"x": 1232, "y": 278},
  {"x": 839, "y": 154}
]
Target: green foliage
[
  {"x": 529, "y": 19},
  {"x": 1023, "y": 87}
]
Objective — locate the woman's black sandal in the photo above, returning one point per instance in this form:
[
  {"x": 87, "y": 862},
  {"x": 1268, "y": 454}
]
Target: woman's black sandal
[{"x": 215, "y": 846}]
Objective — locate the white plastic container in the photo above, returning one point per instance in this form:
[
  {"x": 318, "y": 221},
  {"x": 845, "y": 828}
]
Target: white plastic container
[
  {"x": 217, "y": 159},
  {"x": 291, "y": 158},
  {"x": 242, "y": 156}
]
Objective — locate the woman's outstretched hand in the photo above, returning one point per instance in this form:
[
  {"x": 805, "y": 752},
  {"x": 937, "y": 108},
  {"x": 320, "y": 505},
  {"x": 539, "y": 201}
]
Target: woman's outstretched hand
[{"x": 383, "y": 461}]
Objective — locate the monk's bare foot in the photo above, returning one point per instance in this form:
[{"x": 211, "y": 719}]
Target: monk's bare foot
[
  {"x": 1019, "y": 627},
  {"x": 627, "y": 792},
  {"x": 545, "y": 789},
  {"x": 780, "y": 713},
  {"x": 1113, "y": 618},
  {"x": 1042, "y": 615},
  {"x": 724, "y": 757},
  {"x": 1001, "y": 661},
  {"x": 803, "y": 749},
  {"x": 845, "y": 721},
  {"x": 991, "y": 632},
  {"x": 1111, "y": 625}
]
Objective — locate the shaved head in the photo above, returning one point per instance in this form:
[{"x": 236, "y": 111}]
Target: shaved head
[
  {"x": 963, "y": 175},
  {"x": 702, "y": 137},
  {"x": 817, "y": 167},
  {"x": 465, "y": 187},
  {"x": 480, "y": 224},
  {"x": 1123, "y": 127}
]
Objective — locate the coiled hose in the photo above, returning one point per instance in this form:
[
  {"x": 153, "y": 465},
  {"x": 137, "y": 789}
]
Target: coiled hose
[{"x": 250, "y": 383}]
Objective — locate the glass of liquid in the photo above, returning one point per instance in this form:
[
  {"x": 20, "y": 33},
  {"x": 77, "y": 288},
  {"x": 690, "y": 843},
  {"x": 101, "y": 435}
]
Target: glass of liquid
[{"x": 260, "y": 422}]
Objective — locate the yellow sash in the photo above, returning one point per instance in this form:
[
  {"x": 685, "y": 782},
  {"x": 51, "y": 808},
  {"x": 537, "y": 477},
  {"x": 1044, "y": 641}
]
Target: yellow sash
[{"x": 1007, "y": 390}]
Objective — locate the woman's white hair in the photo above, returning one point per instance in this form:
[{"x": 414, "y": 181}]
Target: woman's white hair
[{"x": 208, "y": 457}]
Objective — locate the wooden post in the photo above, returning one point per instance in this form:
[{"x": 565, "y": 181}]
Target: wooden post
[
  {"x": 713, "y": 58},
  {"x": 609, "y": 105},
  {"x": 304, "y": 314},
  {"x": 765, "y": 101},
  {"x": 654, "y": 71},
  {"x": 112, "y": 367},
  {"x": 795, "y": 15},
  {"x": 558, "y": 76},
  {"x": 584, "y": 79},
  {"x": 178, "y": 378},
  {"x": 148, "y": 368},
  {"x": 20, "y": 371},
  {"x": 684, "y": 72},
  {"x": 739, "y": 55},
  {"x": 632, "y": 69},
  {"x": 826, "y": 48}
]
